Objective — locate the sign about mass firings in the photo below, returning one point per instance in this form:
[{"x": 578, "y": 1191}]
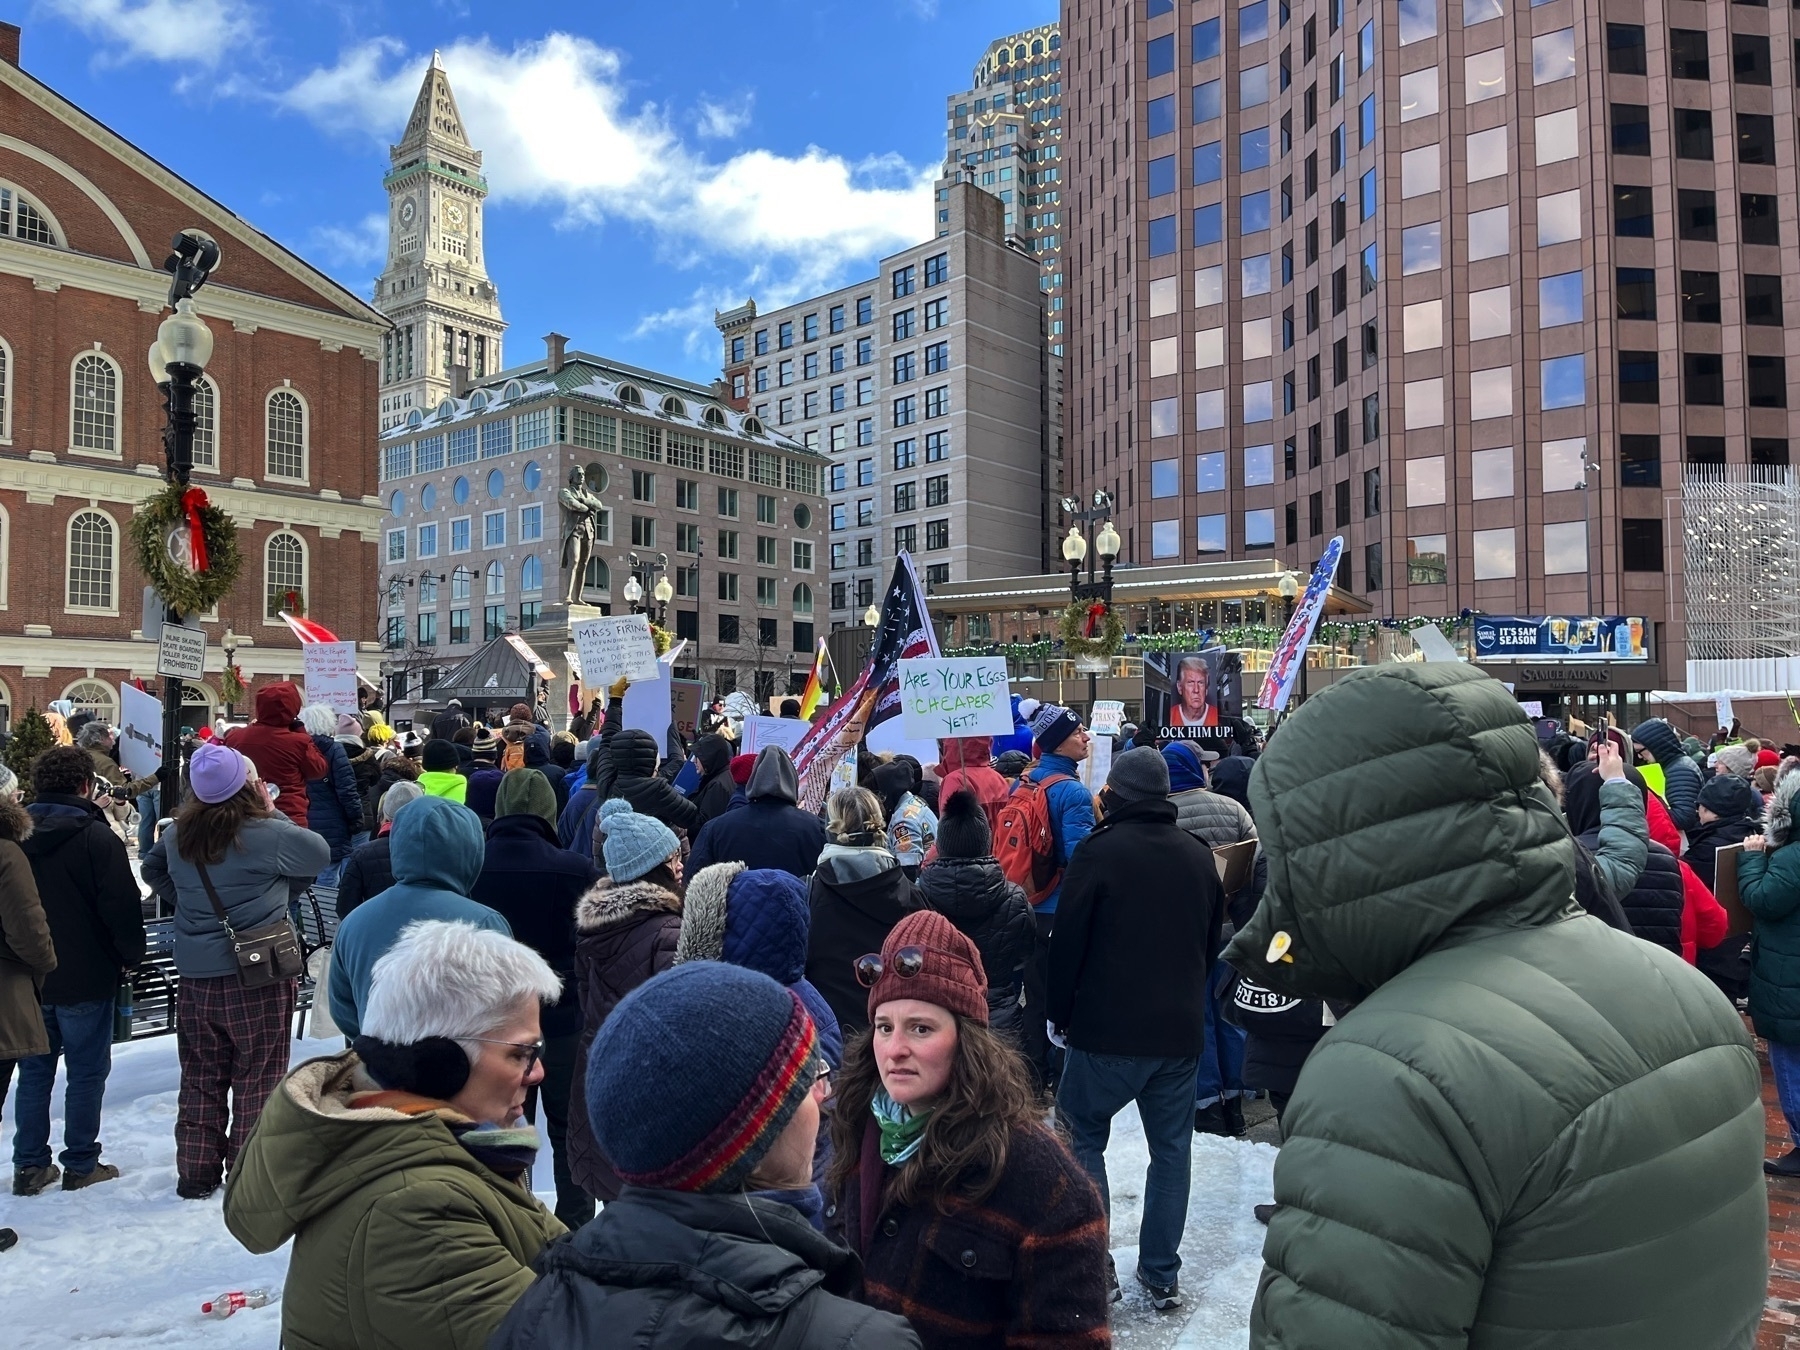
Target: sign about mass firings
[{"x": 1560, "y": 637}]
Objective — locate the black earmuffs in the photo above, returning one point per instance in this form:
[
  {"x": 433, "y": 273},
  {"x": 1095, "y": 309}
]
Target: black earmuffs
[{"x": 434, "y": 1067}]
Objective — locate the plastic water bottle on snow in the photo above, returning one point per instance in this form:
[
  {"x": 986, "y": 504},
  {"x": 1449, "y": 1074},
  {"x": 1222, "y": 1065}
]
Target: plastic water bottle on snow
[{"x": 234, "y": 1300}]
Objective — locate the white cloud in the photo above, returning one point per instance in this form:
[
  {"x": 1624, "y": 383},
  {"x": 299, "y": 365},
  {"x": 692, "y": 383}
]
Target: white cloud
[
  {"x": 723, "y": 121},
  {"x": 361, "y": 246},
  {"x": 556, "y": 128},
  {"x": 197, "y": 32}
]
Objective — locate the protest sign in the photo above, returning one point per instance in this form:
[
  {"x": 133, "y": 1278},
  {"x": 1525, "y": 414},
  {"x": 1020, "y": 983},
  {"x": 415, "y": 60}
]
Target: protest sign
[
  {"x": 762, "y": 730},
  {"x": 611, "y": 647},
  {"x": 1108, "y": 717},
  {"x": 1097, "y": 767},
  {"x": 140, "y": 731},
  {"x": 954, "y": 696},
  {"x": 331, "y": 674},
  {"x": 687, "y": 706}
]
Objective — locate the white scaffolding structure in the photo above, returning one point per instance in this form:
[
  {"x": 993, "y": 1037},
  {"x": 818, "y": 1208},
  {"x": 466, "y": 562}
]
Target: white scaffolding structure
[{"x": 1741, "y": 571}]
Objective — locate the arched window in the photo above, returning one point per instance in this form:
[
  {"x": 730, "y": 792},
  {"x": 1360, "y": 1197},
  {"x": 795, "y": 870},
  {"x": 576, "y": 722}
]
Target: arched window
[
  {"x": 496, "y": 578},
  {"x": 206, "y": 424},
  {"x": 22, "y": 218},
  {"x": 1037, "y": 47},
  {"x": 597, "y": 578},
  {"x": 5, "y": 554},
  {"x": 94, "y": 404},
  {"x": 415, "y": 419},
  {"x": 1019, "y": 52},
  {"x": 753, "y": 426},
  {"x": 1003, "y": 57},
  {"x": 93, "y": 562},
  {"x": 286, "y": 443},
  {"x": 513, "y": 390},
  {"x": 445, "y": 411},
  {"x": 96, "y": 697},
  {"x": 6, "y": 367},
  {"x": 531, "y": 575},
  {"x": 478, "y": 402},
  {"x": 803, "y": 603},
  {"x": 284, "y": 575},
  {"x": 6, "y": 706},
  {"x": 674, "y": 407},
  {"x": 713, "y": 417},
  {"x": 630, "y": 393}
]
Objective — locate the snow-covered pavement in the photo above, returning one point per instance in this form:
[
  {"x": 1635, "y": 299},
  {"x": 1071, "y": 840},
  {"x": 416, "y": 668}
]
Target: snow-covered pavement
[{"x": 129, "y": 1264}]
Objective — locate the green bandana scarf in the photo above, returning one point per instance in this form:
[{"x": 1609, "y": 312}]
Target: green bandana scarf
[{"x": 901, "y": 1131}]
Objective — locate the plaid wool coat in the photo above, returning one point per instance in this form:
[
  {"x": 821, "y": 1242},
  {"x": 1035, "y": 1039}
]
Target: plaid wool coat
[{"x": 1026, "y": 1267}]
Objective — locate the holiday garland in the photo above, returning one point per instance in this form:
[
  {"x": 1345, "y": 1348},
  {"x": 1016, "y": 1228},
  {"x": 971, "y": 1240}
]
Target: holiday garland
[
  {"x": 231, "y": 685},
  {"x": 1237, "y": 636},
  {"x": 207, "y": 540},
  {"x": 1078, "y": 627},
  {"x": 662, "y": 637}
]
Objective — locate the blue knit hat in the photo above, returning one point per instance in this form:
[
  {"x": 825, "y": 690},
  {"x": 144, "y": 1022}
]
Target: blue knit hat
[
  {"x": 1051, "y": 724},
  {"x": 696, "y": 1073},
  {"x": 634, "y": 843}
]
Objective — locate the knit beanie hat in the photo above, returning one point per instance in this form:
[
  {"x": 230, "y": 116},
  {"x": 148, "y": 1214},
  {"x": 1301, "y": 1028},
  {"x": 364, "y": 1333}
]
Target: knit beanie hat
[
  {"x": 398, "y": 796},
  {"x": 9, "y": 781},
  {"x": 951, "y": 977},
  {"x": 217, "y": 773},
  {"x": 1767, "y": 759},
  {"x": 963, "y": 830},
  {"x": 1739, "y": 760},
  {"x": 1012, "y": 763},
  {"x": 486, "y": 745},
  {"x": 525, "y": 792},
  {"x": 1138, "y": 775},
  {"x": 634, "y": 843},
  {"x": 740, "y": 767},
  {"x": 439, "y": 756},
  {"x": 1729, "y": 797},
  {"x": 1051, "y": 723},
  {"x": 695, "y": 1075}
]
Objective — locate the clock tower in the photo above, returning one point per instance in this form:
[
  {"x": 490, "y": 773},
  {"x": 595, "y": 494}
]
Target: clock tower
[{"x": 435, "y": 287}]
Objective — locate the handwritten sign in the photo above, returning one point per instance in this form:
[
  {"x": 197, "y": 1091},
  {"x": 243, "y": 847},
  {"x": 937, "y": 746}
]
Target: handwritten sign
[
  {"x": 611, "y": 647},
  {"x": 762, "y": 730},
  {"x": 331, "y": 674},
  {"x": 944, "y": 696},
  {"x": 140, "y": 731},
  {"x": 1108, "y": 717}
]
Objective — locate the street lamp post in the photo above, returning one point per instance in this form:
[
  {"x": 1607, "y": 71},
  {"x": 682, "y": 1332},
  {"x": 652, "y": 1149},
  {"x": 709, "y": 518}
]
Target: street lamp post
[
  {"x": 1289, "y": 591},
  {"x": 1075, "y": 549},
  {"x": 178, "y": 358},
  {"x": 229, "y": 644},
  {"x": 1588, "y": 485}
]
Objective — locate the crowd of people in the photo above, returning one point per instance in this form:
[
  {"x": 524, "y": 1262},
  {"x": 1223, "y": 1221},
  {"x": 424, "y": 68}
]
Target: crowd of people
[{"x": 847, "y": 1077}]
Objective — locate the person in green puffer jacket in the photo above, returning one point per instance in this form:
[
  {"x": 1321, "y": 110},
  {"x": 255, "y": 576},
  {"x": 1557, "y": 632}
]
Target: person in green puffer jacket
[
  {"x": 1532, "y": 1132},
  {"x": 1769, "y": 885}
]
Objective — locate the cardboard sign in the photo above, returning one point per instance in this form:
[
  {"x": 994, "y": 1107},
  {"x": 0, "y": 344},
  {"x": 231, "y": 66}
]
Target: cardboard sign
[
  {"x": 615, "y": 646},
  {"x": 1532, "y": 707},
  {"x": 1722, "y": 710},
  {"x": 946, "y": 696},
  {"x": 1097, "y": 767},
  {"x": 1725, "y": 889},
  {"x": 687, "y": 694},
  {"x": 140, "y": 731},
  {"x": 1108, "y": 717},
  {"x": 181, "y": 652},
  {"x": 331, "y": 674},
  {"x": 1234, "y": 862},
  {"x": 763, "y": 730}
]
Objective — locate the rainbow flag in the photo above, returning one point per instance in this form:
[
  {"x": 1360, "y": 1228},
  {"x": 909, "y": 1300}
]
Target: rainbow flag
[{"x": 814, "y": 693}]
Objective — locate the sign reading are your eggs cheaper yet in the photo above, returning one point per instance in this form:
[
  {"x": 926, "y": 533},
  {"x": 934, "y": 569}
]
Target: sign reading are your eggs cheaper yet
[{"x": 954, "y": 696}]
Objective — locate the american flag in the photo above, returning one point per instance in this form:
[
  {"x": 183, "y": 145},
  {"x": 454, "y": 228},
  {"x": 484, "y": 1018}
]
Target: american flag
[{"x": 874, "y": 696}]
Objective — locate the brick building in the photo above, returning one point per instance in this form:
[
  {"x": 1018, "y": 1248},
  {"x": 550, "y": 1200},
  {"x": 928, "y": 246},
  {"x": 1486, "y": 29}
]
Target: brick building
[{"x": 285, "y": 413}]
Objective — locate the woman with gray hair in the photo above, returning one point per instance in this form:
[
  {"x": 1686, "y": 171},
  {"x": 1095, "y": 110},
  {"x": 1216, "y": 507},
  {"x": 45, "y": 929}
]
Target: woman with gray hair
[
  {"x": 370, "y": 870},
  {"x": 401, "y": 1168}
]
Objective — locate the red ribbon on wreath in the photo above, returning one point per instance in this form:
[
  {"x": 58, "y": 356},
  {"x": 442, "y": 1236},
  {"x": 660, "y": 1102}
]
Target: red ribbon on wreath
[
  {"x": 192, "y": 501},
  {"x": 1096, "y": 612}
]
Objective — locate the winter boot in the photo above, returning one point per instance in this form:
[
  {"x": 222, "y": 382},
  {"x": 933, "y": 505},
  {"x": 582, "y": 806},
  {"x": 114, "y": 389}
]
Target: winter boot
[
  {"x": 1162, "y": 1296},
  {"x": 1233, "y": 1111},
  {"x": 1210, "y": 1119},
  {"x": 1787, "y": 1165},
  {"x": 1264, "y": 1213},
  {"x": 1113, "y": 1292},
  {"x": 35, "y": 1180},
  {"x": 8, "y": 1239},
  {"x": 75, "y": 1181}
]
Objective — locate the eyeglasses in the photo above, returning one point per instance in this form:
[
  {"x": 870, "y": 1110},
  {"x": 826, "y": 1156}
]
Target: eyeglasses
[
  {"x": 822, "y": 1082},
  {"x": 534, "y": 1050},
  {"x": 907, "y": 962}
]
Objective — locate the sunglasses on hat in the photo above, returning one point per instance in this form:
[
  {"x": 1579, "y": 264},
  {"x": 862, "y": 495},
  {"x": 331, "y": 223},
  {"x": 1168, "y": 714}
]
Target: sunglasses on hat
[{"x": 906, "y": 963}]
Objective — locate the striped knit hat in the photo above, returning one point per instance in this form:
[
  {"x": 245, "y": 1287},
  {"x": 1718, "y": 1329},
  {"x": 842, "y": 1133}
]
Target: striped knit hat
[{"x": 696, "y": 1073}]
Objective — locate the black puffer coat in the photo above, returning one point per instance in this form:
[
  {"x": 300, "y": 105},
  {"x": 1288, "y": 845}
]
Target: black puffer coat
[
  {"x": 92, "y": 901},
  {"x": 856, "y": 896},
  {"x": 1728, "y": 964},
  {"x": 992, "y": 912},
  {"x": 633, "y": 758},
  {"x": 664, "y": 1270},
  {"x": 713, "y": 796},
  {"x": 1654, "y": 906}
]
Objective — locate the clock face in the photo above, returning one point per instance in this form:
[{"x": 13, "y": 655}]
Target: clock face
[
  {"x": 453, "y": 213},
  {"x": 407, "y": 211}
]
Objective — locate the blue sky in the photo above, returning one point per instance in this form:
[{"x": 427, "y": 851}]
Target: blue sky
[{"x": 648, "y": 161}]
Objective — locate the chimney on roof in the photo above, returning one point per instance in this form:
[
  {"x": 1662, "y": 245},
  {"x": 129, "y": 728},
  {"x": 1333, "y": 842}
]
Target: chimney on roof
[
  {"x": 555, "y": 345},
  {"x": 9, "y": 43},
  {"x": 459, "y": 381}
]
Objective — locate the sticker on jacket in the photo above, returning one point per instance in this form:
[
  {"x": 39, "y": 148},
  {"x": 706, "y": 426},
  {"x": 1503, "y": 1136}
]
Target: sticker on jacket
[{"x": 1254, "y": 998}]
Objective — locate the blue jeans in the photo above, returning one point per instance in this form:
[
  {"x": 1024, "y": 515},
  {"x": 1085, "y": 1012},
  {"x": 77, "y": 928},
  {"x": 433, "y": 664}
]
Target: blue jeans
[
  {"x": 1095, "y": 1088},
  {"x": 1222, "y": 1063},
  {"x": 1784, "y": 1068},
  {"x": 149, "y": 808},
  {"x": 81, "y": 1035}
]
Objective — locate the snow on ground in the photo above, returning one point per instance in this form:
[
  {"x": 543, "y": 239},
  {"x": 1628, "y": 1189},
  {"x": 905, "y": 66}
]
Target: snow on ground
[{"x": 128, "y": 1263}]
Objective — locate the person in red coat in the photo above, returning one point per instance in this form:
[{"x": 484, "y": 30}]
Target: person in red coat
[
  {"x": 1703, "y": 918},
  {"x": 966, "y": 764},
  {"x": 280, "y": 748}
]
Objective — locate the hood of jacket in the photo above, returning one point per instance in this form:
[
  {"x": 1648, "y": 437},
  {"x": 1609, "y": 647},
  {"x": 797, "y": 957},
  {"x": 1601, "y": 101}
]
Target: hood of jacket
[
  {"x": 278, "y": 704},
  {"x": 317, "y": 1150},
  {"x": 1400, "y": 810},
  {"x": 964, "y": 752},
  {"x": 436, "y": 842},
  {"x": 753, "y": 1256},
  {"x": 633, "y": 753},
  {"x": 755, "y": 918},
  {"x": 55, "y": 820},
  {"x": 1780, "y": 828},
  {"x": 1230, "y": 777},
  {"x": 1659, "y": 738},
  {"x": 714, "y": 754},
  {"x": 964, "y": 890},
  {"x": 773, "y": 775},
  {"x": 15, "y": 821},
  {"x": 856, "y": 862},
  {"x": 609, "y": 903}
]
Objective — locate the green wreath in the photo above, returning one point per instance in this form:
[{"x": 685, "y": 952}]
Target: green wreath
[
  {"x": 1106, "y": 644},
  {"x": 662, "y": 637},
  {"x": 162, "y": 518}
]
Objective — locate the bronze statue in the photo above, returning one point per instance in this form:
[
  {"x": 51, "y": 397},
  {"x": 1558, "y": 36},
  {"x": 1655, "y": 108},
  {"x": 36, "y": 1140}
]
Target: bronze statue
[{"x": 584, "y": 512}]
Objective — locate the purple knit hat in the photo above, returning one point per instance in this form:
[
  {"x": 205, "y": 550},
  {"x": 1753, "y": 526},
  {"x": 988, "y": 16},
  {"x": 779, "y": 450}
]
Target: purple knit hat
[{"x": 217, "y": 773}]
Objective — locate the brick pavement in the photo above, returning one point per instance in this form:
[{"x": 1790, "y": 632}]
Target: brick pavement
[{"x": 1781, "y": 1317}]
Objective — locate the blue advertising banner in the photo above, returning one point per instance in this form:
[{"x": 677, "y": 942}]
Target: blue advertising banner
[{"x": 1560, "y": 638}]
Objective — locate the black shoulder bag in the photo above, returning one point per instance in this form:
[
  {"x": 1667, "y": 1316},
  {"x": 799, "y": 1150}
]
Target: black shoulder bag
[{"x": 264, "y": 954}]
